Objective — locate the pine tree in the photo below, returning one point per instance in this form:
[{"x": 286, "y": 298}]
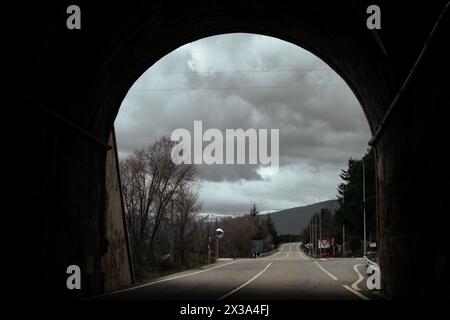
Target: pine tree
[
  {"x": 253, "y": 210},
  {"x": 350, "y": 198}
]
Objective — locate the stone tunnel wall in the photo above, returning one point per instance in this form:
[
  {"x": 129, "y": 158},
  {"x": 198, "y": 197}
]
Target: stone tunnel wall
[
  {"x": 116, "y": 263},
  {"x": 412, "y": 173}
]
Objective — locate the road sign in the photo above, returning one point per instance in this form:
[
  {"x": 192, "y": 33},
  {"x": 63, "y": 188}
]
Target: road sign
[
  {"x": 324, "y": 243},
  {"x": 219, "y": 233}
]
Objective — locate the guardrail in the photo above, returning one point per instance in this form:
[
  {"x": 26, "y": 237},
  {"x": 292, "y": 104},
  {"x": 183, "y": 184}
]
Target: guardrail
[{"x": 268, "y": 253}]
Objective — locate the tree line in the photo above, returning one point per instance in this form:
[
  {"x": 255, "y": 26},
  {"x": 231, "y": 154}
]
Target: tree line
[
  {"x": 242, "y": 234},
  {"x": 349, "y": 214}
]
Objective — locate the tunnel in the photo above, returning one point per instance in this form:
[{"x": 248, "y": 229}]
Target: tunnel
[{"x": 66, "y": 87}]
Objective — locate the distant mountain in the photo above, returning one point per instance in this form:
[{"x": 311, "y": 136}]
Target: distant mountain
[
  {"x": 213, "y": 215},
  {"x": 288, "y": 221},
  {"x": 294, "y": 220}
]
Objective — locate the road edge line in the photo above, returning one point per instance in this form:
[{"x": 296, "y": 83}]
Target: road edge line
[
  {"x": 167, "y": 279},
  {"x": 301, "y": 255}
]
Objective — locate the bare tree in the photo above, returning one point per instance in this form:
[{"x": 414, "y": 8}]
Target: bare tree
[
  {"x": 150, "y": 181},
  {"x": 186, "y": 206},
  {"x": 135, "y": 181}
]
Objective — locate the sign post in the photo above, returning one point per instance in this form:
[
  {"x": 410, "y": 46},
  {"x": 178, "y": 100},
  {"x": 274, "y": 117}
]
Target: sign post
[
  {"x": 219, "y": 234},
  {"x": 209, "y": 250},
  {"x": 323, "y": 244}
]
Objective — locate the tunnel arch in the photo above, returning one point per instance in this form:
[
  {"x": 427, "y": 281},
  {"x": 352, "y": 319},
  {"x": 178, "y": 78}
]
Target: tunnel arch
[
  {"x": 84, "y": 76},
  {"x": 357, "y": 58}
]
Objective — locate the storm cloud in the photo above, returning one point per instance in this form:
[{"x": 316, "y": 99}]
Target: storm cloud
[{"x": 251, "y": 81}]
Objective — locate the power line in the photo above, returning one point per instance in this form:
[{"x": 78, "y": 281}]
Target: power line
[
  {"x": 239, "y": 88},
  {"x": 238, "y": 71}
]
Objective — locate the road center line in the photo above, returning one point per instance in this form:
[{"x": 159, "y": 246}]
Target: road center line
[
  {"x": 323, "y": 269},
  {"x": 360, "y": 277},
  {"x": 289, "y": 251},
  {"x": 301, "y": 254},
  {"x": 359, "y": 294},
  {"x": 243, "y": 285},
  {"x": 172, "y": 278}
]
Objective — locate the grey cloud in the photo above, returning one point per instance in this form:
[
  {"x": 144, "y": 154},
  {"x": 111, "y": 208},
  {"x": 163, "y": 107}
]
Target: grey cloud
[
  {"x": 228, "y": 172},
  {"x": 321, "y": 126}
]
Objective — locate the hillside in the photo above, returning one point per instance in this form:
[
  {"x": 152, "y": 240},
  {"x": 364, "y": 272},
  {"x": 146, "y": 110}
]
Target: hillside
[{"x": 293, "y": 220}]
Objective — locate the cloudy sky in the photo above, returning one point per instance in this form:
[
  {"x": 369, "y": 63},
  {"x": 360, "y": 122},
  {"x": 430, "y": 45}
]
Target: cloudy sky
[{"x": 251, "y": 81}]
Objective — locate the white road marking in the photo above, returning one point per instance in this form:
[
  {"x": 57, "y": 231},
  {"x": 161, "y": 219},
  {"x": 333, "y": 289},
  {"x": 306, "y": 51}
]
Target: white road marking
[
  {"x": 243, "y": 285},
  {"x": 301, "y": 254},
  {"x": 360, "y": 277},
  {"x": 323, "y": 269},
  {"x": 359, "y": 294},
  {"x": 289, "y": 251},
  {"x": 168, "y": 279}
]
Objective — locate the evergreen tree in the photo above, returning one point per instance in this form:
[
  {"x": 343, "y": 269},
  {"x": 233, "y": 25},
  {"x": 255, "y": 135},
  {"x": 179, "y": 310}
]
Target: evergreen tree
[
  {"x": 350, "y": 198},
  {"x": 253, "y": 210}
]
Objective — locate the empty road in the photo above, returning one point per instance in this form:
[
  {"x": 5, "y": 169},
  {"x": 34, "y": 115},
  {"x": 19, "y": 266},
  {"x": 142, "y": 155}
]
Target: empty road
[{"x": 288, "y": 274}]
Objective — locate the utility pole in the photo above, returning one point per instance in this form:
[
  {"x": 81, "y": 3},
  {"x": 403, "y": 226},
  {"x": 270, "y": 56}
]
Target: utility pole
[
  {"x": 343, "y": 226},
  {"x": 364, "y": 205},
  {"x": 320, "y": 232},
  {"x": 312, "y": 233},
  {"x": 315, "y": 234},
  {"x": 310, "y": 236},
  {"x": 343, "y": 240}
]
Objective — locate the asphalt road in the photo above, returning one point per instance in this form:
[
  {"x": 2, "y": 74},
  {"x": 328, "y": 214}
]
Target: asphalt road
[{"x": 288, "y": 274}]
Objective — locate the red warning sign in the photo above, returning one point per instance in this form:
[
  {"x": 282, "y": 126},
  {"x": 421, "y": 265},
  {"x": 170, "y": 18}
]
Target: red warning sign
[{"x": 324, "y": 243}]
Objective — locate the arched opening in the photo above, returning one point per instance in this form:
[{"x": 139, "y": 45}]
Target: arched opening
[{"x": 244, "y": 81}]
